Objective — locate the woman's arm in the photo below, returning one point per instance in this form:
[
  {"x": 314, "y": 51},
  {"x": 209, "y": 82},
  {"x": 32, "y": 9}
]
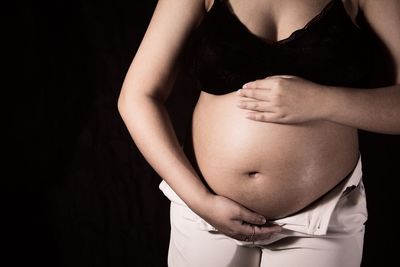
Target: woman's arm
[
  {"x": 290, "y": 99},
  {"x": 376, "y": 110},
  {"x": 146, "y": 87}
]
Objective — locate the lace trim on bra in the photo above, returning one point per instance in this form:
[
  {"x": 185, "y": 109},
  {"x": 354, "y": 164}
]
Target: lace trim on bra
[{"x": 295, "y": 34}]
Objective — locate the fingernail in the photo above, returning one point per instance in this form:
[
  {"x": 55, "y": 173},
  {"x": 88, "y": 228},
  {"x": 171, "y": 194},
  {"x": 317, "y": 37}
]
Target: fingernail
[
  {"x": 262, "y": 220},
  {"x": 239, "y": 92},
  {"x": 245, "y": 85}
]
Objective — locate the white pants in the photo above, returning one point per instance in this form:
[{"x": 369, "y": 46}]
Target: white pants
[{"x": 327, "y": 233}]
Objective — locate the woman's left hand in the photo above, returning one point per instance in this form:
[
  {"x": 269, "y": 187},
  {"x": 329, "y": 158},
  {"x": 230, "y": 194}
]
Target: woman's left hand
[{"x": 283, "y": 99}]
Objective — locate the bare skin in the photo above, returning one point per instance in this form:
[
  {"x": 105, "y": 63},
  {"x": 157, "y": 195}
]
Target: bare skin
[
  {"x": 273, "y": 169},
  {"x": 290, "y": 148}
]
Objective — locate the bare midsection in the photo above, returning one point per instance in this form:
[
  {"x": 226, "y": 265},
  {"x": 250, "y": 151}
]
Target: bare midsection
[{"x": 273, "y": 169}]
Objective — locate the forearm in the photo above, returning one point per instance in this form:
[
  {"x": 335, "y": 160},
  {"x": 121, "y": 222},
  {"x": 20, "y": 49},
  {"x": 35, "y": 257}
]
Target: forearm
[
  {"x": 151, "y": 129},
  {"x": 374, "y": 110}
]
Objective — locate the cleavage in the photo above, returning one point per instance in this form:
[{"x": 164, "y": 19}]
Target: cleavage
[{"x": 276, "y": 34}]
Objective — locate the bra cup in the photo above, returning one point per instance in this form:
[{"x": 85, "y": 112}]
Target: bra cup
[{"x": 330, "y": 50}]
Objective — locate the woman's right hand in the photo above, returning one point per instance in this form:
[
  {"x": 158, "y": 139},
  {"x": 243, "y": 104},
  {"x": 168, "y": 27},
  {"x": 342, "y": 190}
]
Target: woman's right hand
[{"x": 236, "y": 221}]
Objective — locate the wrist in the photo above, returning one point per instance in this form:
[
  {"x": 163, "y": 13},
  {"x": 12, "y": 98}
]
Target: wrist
[
  {"x": 330, "y": 102},
  {"x": 201, "y": 202}
]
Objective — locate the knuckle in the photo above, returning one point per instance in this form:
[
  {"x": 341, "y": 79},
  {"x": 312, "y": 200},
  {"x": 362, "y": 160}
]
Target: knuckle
[
  {"x": 278, "y": 100},
  {"x": 275, "y": 117},
  {"x": 284, "y": 117},
  {"x": 279, "y": 92},
  {"x": 280, "y": 116},
  {"x": 262, "y": 116},
  {"x": 275, "y": 83},
  {"x": 257, "y": 83},
  {"x": 280, "y": 82}
]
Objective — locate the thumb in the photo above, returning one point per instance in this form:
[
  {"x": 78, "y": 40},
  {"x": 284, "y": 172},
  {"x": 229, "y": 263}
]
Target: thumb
[{"x": 251, "y": 217}]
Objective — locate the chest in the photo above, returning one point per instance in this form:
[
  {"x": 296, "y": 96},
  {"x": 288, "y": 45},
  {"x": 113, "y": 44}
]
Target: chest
[{"x": 328, "y": 49}]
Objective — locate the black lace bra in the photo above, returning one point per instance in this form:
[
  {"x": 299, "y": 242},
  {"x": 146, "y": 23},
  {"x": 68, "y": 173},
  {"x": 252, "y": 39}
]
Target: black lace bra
[{"x": 329, "y": 50}]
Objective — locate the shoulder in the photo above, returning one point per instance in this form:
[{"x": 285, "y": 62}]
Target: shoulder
[
  {"x": 383, "y": 18},
  {"x": 381, "y": 3}
]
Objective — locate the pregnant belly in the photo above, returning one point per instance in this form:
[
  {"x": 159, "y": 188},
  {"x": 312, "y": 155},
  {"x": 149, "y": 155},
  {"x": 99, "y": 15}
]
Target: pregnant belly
[{"x": 273, "y": 169}]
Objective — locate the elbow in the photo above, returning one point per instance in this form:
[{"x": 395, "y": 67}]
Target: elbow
[
  {"x": 126, "y": 99},
  {"x": 121, "y": 103},
  {"x": 124, "y": 102},
  {"x": 135, "y": 101}
]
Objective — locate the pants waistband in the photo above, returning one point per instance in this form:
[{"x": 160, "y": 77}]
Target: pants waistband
[{"x": 312, "y": 220}]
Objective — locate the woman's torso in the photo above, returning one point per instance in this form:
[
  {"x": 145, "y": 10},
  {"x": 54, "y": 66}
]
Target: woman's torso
[{"x": 273, "y": 169}]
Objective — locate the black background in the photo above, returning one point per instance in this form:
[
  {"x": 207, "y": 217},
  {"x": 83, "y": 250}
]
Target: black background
[{"x": 78, "y": 192}]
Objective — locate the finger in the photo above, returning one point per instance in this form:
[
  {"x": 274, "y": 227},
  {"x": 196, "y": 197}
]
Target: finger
[
  {"x": 251, "y": 237},
  {"x": 268, "y": 82},
  {"x": 248, "y": 232},
  {"x": 269, "y": 116},
  {"x": 260, "y": 93},
  {"x": 265, "y": 232},
  {"x": 255, "y": 105},
  {"x": 261, "y": 83},
  {"x": 246, "y": 229},
  {"x": 246, "y": 238},
  {"x": 250, "y": 217},
  {"x": 259, "y": 235}
]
